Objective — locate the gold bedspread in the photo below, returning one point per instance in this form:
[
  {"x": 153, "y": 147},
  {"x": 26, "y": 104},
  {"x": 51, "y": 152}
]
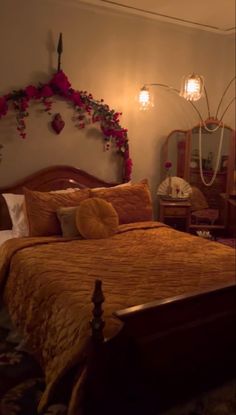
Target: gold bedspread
[{"x": 47, "y": 283}]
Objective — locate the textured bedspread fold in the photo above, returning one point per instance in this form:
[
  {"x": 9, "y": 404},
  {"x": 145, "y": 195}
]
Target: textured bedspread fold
[{"x": 47, "y": 284}]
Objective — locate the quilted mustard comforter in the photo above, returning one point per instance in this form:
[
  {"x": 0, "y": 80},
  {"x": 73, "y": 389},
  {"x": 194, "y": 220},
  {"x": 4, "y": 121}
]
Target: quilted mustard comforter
[{"x": 47, "y": 283}]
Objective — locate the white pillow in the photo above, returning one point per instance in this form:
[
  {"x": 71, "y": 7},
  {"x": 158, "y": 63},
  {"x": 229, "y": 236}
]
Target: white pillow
[{"x": 15, "y": 204}]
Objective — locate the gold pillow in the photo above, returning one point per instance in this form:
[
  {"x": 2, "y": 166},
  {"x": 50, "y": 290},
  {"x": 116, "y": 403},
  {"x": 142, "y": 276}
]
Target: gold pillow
[
  {"x": 96, "y": 218},
  {"x": 41, "y": 209},
  {"x": 66, "y": 216},
  {"x": 133, "y": 202}
]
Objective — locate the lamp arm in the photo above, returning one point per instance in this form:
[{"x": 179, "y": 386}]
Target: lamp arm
[
  {"x": 226, "y": 109},
  {"x": 226, "y": 89},
  {"x": 198, "y": 112},
  {"x": 207, "y": 102},
  {"x": 163, "y": 85},
  {"x": 178, "y": 91}
]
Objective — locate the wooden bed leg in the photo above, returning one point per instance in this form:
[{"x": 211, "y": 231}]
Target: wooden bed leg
[{"x": 97, "y": 323}]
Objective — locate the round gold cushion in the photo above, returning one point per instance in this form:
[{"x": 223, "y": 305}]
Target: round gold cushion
[{"x": 96, "y": 218}]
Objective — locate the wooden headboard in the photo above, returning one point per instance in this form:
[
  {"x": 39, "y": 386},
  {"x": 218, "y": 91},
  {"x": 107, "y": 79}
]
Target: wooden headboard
[{"x": 50, "y": 178}]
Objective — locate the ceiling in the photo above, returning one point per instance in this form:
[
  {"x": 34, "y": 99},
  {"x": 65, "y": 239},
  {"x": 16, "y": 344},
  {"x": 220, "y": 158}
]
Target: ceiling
[{"x": 212, "y": 15}]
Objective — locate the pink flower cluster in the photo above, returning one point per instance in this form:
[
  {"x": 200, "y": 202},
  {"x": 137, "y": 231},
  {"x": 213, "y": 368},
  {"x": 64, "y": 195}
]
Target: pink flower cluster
[
  {"x": 89, "y": 110},
  {"x": 3, "y": 106},
  {"x": 128, "y": 164}
]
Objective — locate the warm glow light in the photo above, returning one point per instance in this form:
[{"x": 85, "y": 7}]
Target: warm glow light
[
  {"x": 144, "y": 99},
  {"x": 192, "y": 87}
]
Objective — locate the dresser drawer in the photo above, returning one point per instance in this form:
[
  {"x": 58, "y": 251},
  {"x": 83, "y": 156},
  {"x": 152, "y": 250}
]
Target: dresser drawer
[
  {"x": 176, "y": 211},
  {"x": 176, "y": 215}
]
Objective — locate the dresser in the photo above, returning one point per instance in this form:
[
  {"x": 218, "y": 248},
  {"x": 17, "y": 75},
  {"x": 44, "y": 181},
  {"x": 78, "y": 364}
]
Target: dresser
[{"x": 175, "y": 214}]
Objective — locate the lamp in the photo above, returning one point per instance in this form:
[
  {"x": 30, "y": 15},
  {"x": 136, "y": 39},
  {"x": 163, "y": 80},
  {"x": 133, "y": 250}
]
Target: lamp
[
  {"x": 192, "y": 89},
  {"x": 144, "y": 98}
]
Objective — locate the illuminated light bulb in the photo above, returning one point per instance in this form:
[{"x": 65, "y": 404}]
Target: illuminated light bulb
[
  {"x": 144, "y": 99},
  {"x": 192, "y": 87}
]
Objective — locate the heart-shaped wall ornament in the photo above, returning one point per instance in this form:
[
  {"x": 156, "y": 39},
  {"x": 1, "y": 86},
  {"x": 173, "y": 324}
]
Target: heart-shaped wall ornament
[{"x": 58, "y": 123}]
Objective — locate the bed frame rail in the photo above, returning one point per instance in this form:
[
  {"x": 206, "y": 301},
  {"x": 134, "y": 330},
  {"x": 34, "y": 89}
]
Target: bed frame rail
[
  {"x": 169, "y": 314},
  {"x": 181, "y": 344}
]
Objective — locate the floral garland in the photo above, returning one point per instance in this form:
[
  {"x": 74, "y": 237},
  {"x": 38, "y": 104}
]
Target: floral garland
[{"x": 87, "y": 109}]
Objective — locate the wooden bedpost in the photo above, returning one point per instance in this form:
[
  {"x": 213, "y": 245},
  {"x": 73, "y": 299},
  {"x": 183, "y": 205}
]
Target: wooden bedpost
[
  {"x": 97, "y": 323},
  {"x": 95, "y": 390}
]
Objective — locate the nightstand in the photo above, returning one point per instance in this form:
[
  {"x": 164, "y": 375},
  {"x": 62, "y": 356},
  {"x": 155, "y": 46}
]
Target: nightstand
[{"x": 175, "y": 214}]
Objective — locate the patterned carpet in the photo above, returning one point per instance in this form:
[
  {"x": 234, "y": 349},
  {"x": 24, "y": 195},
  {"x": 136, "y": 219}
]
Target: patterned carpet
[{"x": 22, "y": 383}]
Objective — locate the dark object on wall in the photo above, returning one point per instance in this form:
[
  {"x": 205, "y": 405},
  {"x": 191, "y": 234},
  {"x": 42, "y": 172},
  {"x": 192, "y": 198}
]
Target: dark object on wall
[
  {"x": 58, "y": 123},
  {"x": 59, "y": 51}
]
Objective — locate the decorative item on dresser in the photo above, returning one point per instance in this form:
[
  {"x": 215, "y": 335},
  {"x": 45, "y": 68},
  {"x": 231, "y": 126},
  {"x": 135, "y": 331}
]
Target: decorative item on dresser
[
  {"x": 169, "y": 313},
  {"x": 174, "y": 202}
]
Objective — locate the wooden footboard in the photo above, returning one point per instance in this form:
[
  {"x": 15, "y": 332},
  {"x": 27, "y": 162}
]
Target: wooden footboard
[{"x": 171, "y": 348}]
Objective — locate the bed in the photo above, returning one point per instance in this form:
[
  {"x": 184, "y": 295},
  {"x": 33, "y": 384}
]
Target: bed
[{"x": 167, "y": 319}]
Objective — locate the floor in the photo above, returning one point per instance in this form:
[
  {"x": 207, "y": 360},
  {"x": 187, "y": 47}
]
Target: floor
[{"x": 22, "y": 384}]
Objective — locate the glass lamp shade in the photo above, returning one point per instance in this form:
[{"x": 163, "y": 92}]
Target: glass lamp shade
[
  {"x": 145, "y": 100},
  {"x": 192, "y": 87}
]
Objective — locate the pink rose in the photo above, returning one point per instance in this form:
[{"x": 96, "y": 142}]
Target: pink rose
[
  {"x": 128, "y": 169},
  {"x": 60, "y": 82},
  {"x": 120, "y": 142},
  {"x": 46, "y": 91},
  {"x": 76, "y": 98},
  {"x": 31, "y": 91},
  {"x": 168, "y": 165},
  {"x": 24, "y": 104},
  {"x": 126, "y": 154}
]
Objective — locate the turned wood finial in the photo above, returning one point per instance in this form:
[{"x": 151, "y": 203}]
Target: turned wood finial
[{"x": 97, "y": 323}]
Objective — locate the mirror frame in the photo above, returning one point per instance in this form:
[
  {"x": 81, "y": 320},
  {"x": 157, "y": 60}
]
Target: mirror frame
[
  {"x": 188, "y": 134},
  {"x": 231, "y": 168}
]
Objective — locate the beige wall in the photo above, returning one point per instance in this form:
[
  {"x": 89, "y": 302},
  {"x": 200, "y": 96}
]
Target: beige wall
[{"x": 111, "y": 55}]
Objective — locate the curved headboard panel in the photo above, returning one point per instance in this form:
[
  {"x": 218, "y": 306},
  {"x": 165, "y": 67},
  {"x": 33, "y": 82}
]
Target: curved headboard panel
[{"x": 50, "y": 178}]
